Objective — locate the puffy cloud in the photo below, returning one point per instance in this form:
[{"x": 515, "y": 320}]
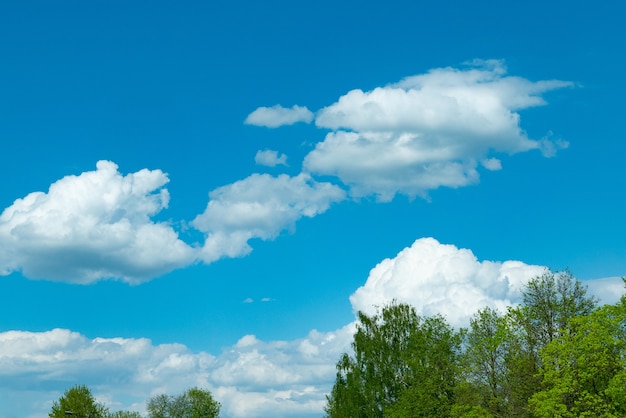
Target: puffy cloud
[
  {"x": 427, "y": 131},
  {"x": 260, "y": 206},
  {"x": 443, "y": 279},
  {"x": 270, "y": 158},
  {"x": 275, "y": 116},
  {"x": 93, "y": 226},
  {"x": 252, "y": 378}
]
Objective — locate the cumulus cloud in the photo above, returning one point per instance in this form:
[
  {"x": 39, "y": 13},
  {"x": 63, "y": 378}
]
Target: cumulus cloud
[
  {"x": 260, "y": 206},
  {"x": 275, "y": 116},
  {"x": 93, "y": 226},
  {"x": 270, "y": 158},
  {"x": 251, "y": 379},
  {"x": 443, "y": 279},
  {"x": 428, "y": 131}
]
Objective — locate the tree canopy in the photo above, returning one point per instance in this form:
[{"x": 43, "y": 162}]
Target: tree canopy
[
  {"x": 557, "y": 354},
  {"x": 193, "y": 403},
  {"x": 78, "y": 402}
]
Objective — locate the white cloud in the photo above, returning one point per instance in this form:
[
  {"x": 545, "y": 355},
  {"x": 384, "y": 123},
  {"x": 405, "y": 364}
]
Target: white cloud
[
  {"x": 438, "y": 278},
  {"x": 252, "y": 378},
  {"x": 492, "y": 164},
  {"x": 275, "y": 116},
  {"x": 270, "y": 158},
  {"x": 428, "y": 130},
  {"x": 442, "y": 279},
  {"x": 93, "y": 226},
  {"x": 260, "y": 206},
  {"x": 608, "y": 290}
]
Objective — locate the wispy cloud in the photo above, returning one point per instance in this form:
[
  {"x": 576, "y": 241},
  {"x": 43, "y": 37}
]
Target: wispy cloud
[{"x": 275, "y": 116}]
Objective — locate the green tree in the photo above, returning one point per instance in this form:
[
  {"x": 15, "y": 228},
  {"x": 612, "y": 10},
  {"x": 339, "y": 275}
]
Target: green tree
[
  {"x": 584, "y": 372},
  {"x": 78, "y": 402},
  {"x": 403, "y": 365},
  {"x": 433, "y": 364},
  {"x": 194, "y": 403},
  {"x": 550, "y": 301},
  {"x": 485, "y": 364}
]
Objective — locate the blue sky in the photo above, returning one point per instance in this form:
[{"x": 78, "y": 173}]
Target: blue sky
[{"x": 204, "y": 193}]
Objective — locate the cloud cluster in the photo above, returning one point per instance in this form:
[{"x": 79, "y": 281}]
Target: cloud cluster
[
  {"x": 260, "y": 206},
  {"x": 275, "y": 116},
  {"x": 427, "y": 131},
  {"x": 251, "y": 379},
  {"x": 93, "y": 226}
]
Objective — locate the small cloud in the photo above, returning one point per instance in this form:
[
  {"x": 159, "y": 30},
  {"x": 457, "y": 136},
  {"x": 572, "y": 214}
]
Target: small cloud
[
  {"x": 248, "y": 300},
  {"x": 266, "y": 300},
  {"x": 492, "y": 164},
  {"x": 275, "y": 116},
  {"x": 270, "y": 158},
  {"x": 550, "y": 147}
]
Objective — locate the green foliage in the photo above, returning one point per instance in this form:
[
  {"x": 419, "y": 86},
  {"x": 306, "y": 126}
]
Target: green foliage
[
  {"x": 550, "y": 301},
  {"x": 556, "y": 355},
  {"x": 486, "y": 362},
  {"x": 124, "y": 414},
  {"x": 78, "y": 402},
  {"x": 403, "y": 366},
  {"x": 584, "y": 370},
  {"x": 194, "y": 403}
]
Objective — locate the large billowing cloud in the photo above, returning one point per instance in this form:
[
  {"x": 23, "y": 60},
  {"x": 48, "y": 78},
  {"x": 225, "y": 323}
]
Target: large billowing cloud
[
  {"x": 260, "y": 206},
  {"x": 443, "y": 279},
  {"x": 275, "y": 116},
  {"x": 428, "y": 131},
  {"x": 93, "y": 226}
]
